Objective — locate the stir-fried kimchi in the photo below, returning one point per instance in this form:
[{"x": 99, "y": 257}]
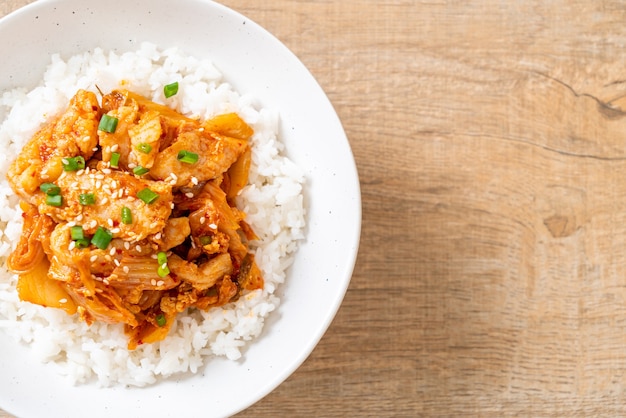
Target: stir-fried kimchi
[{"x": 129, "y": 214}]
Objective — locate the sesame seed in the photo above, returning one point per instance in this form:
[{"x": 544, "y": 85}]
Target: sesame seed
[
  {"x": 79, "y": 217},
  {"x": 100, "y": 176},
  {"x": 113, "y": 183},
  {"x": 108, "y": 149},
  {"x": 107, "y": 257},
  {"x": 74, "y": 185},
  {"x": 110, "y": 222},
  {"x": 72, "y": 245},
  {"x": 163, "y": 266},
  {"x": 172, "y": 205},
  {"x": 63, "y": 300},
  {"x": 71, "y": 224},
  {"x": 113, "y": 251},
  {"x": 93, "y": 258},
  {"x": 127, "y": 245},
  {"x": 126, "y": 269},
  {"x": 104, "y": 201},
  {"x": 114, "y": 147},
  {"x": 132, "y": 165},
  {"x": 98, "y": 184},
  {"x": 174, "y": 176},
  {"x": 94, "y": 223},
  {"x": 65, "y": 161},
  {"x": 194, "y": 181},
  {"x": 154, "y": 256},
  {"x": 115, "y": 231},
  {"x": 138, "y": 248},
  {"x": 80, "y": 172},
  {"x": 117, "y": 262},
  {"x": 212, "y": 226},
  {"x": 105, "y": 281},
  {"x": 202, "y": 220},
  {"x": 201, "y": 130},
  {"x": 94, "y": 149},
  {"x": 160, "y": 283},
  {"x": 189, "y": 195},
  {"x": 153, "y": 282},
  {"x": 157, "y": 235},
  {"x": 153, "y": 225},
  {"x": 106, "y": 170}
]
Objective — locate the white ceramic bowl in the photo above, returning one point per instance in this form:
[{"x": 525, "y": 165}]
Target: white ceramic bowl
[{"x": 254, "y": 62}]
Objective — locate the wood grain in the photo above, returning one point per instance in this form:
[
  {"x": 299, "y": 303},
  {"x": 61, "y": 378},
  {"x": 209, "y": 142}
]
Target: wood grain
[{"x": 490, "y": 139}]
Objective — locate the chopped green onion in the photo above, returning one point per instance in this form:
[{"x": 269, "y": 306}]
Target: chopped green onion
[
  {"x": 86, "y": 199},
  {"x": 78, "y": 236},
  {"x": 162, "y": 258},
  {"x": 170, "y": 90},
  {"x": 127, "y": 216},
  {"x": 102, "y": 238},
  {"x": 206, "y": 240},
  {"x": 188, "y": 157},
  {"x": 108, "y": 124},
  {"x": 77, "y": 232},
  {"x": 147, "y": 195},
  {"x": 73, "y": 163},
  {"x": 163, "y": 270},
  {"x": 50, "y": 189},
  {"x": 82, "y": 243},
  {"x": 54, "y": 200},
  {"x": 115, "y": 159},
  {"x": 139, "y": 170},
  {"x": 145, "y": 148},
  {"x": 160, "y": 320}
]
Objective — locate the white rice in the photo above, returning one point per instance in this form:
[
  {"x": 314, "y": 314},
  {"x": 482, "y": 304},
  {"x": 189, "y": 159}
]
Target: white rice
[{"x": 273, "y": 202}]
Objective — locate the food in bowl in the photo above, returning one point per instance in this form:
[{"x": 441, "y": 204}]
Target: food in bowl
[
  {"x": 191, "y": 231},
  {"x": 128, "y": 213}
]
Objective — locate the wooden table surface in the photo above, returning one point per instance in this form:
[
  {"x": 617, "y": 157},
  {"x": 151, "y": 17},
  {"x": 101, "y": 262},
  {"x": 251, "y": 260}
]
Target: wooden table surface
[{"x": 490, "y": 138}]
